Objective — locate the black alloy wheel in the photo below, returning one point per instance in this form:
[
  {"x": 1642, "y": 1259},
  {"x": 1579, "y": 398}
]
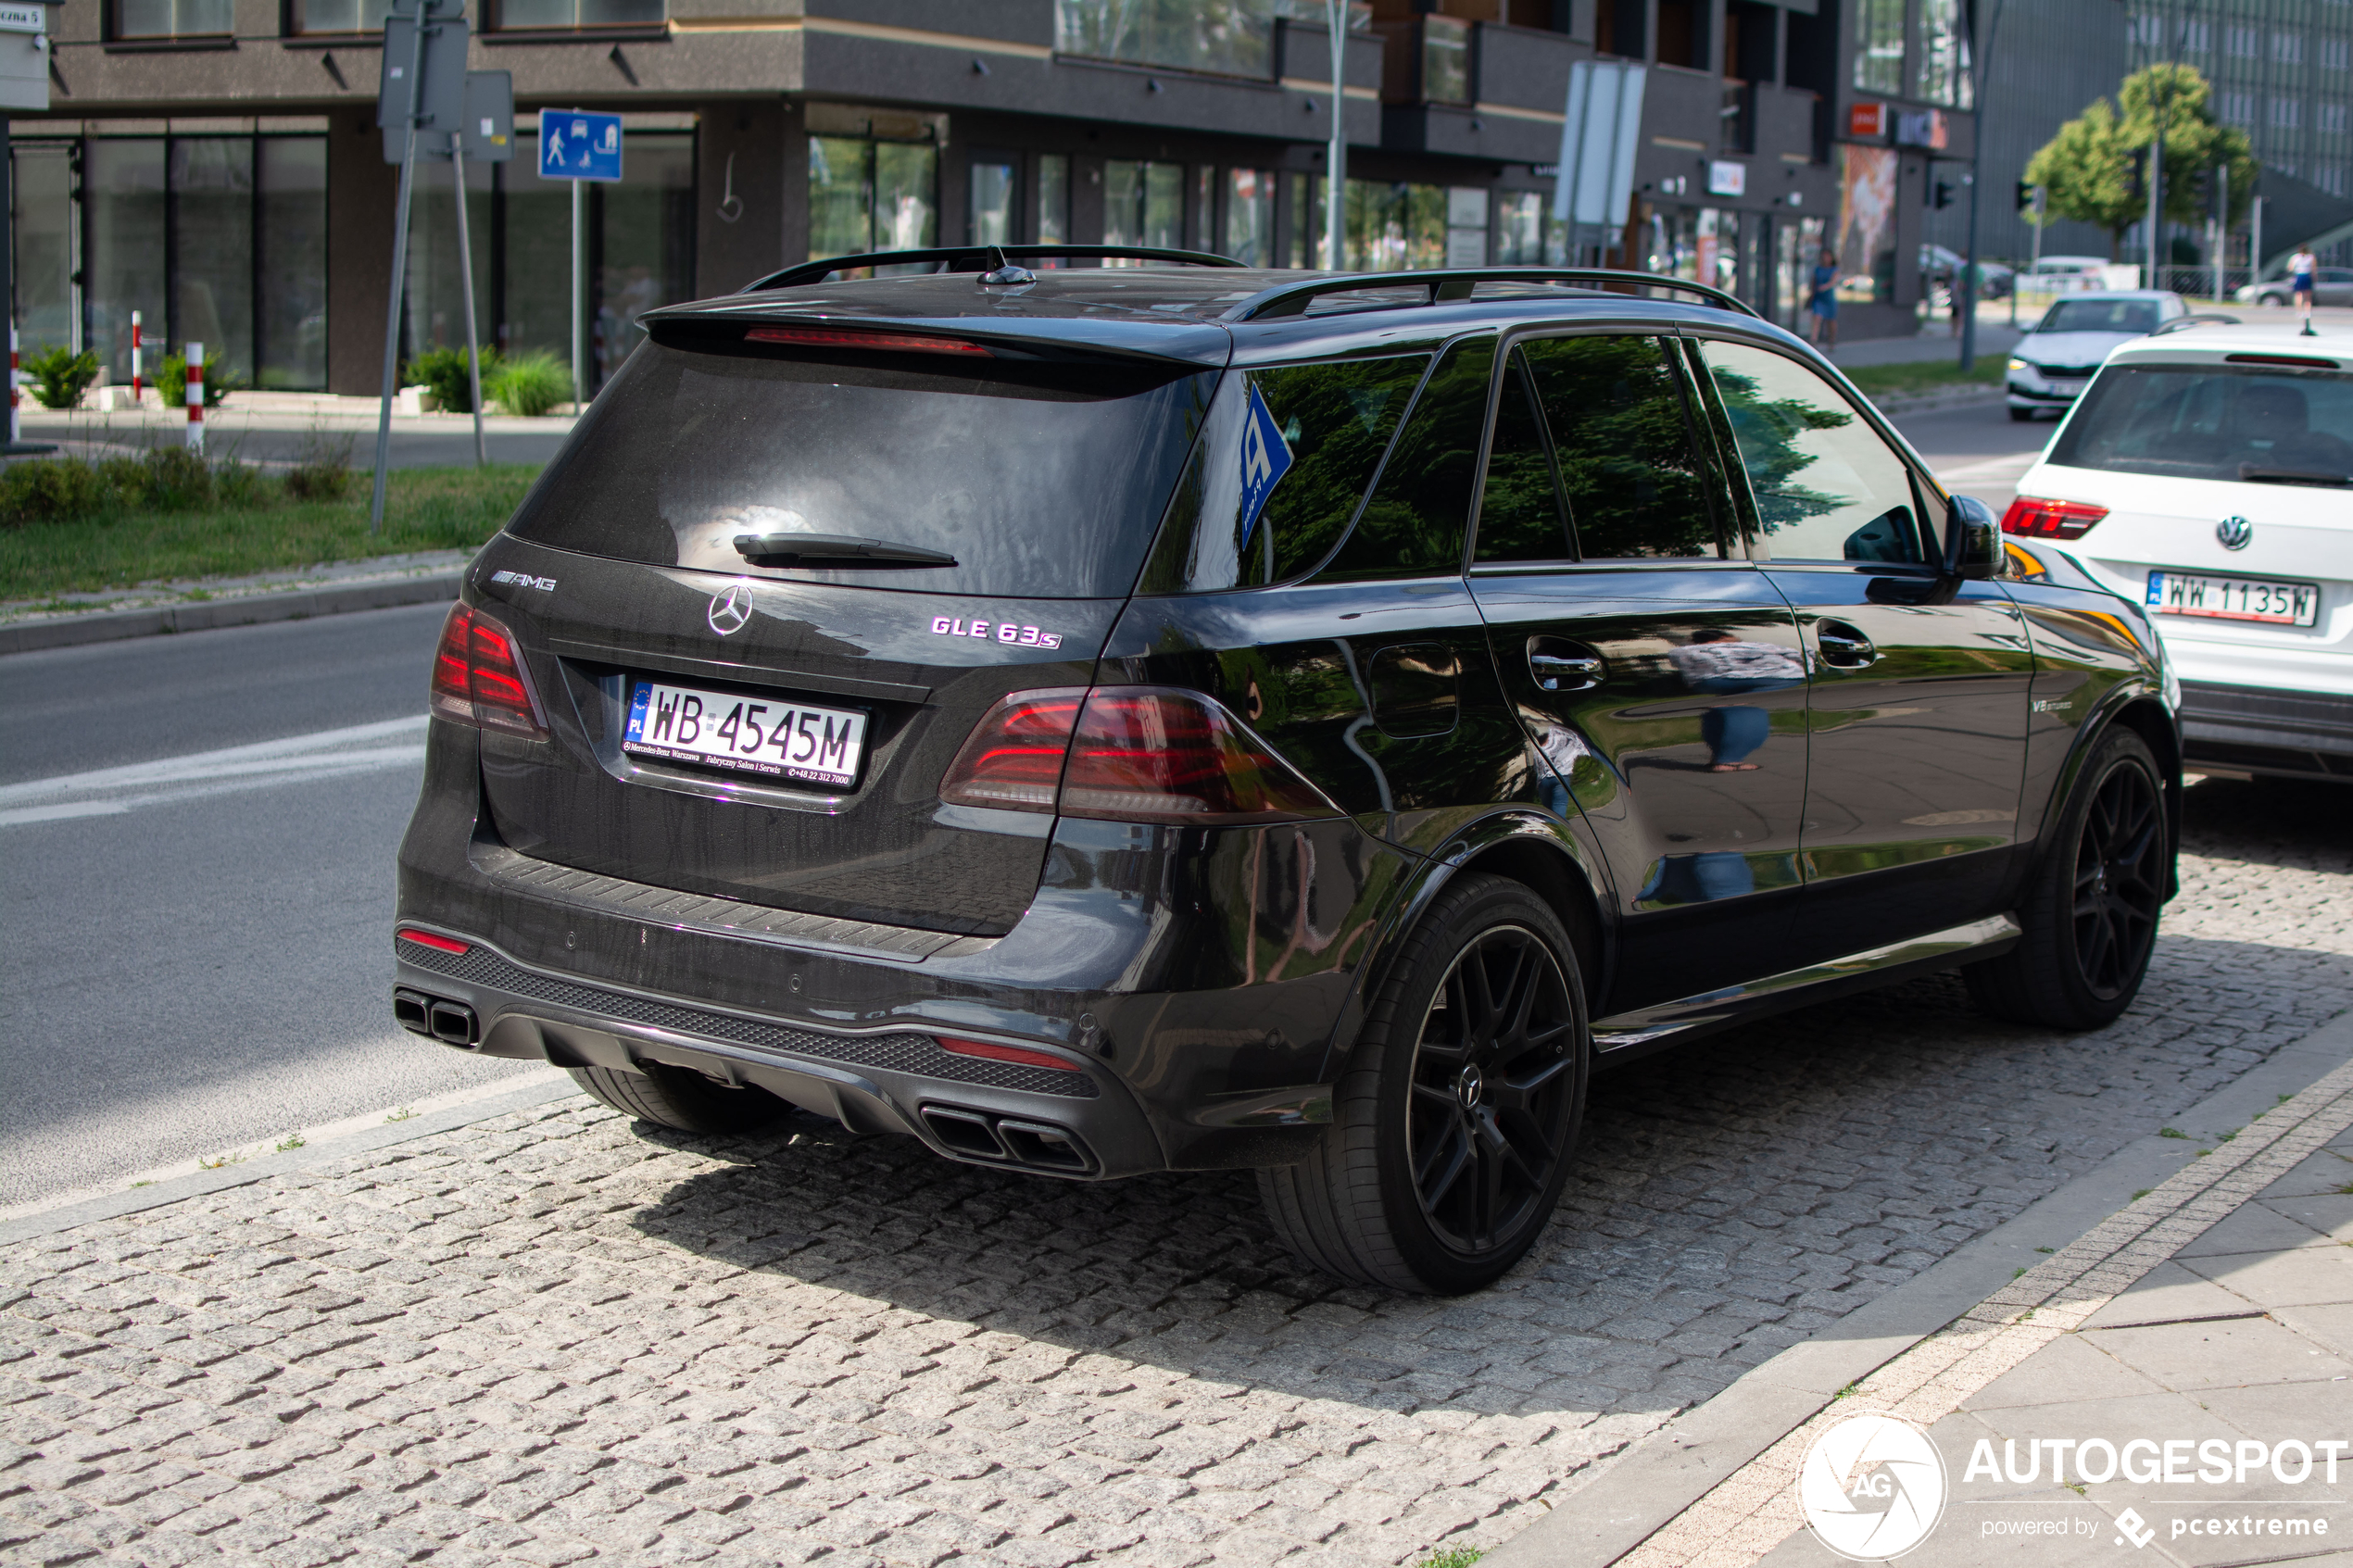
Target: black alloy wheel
[
  {"x": 1455, "y": 1123},
  {"x": 2089, "y": 912},
  {"x": 1493, "y": 1095},
  {"x": 2119, "y": 881}
]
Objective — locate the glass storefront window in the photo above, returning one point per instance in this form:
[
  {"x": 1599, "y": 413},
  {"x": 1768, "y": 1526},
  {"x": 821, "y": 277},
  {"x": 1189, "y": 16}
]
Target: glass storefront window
[
  {"x": 1223, "y": 37},
  {"x": 290, "y": 177},
  {"x": 172, "y": 19},
  {"x": 45, "y": 303},
  {"x": 1519, "y": 229},
  {"x": 644, "y": 243},
  {"x": 212, "y": 209},
  {"x": 1879, "y": 46},
  {"x": 340, "y": 16},
  {"x": 514, "y": 14},
  {"x": 990, "y": 209},
  {"x": 123, "y": 210},
  {"x": 435, "y": 316},
  {"x": 1392, "y": 228},
  {"x": 1306, "y": 221},
  {"x": 1053, "y": 198},
  {"x": 1250, "y": 216},
  {"x": 868, "y": 196},
  {"x": 1143, "y": 204}
]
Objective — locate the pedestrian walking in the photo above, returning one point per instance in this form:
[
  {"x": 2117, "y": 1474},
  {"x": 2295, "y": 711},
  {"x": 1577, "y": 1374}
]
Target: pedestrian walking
[
  {"x": 2301, "y": 268},
  {"x": 1822, "y": 303}
]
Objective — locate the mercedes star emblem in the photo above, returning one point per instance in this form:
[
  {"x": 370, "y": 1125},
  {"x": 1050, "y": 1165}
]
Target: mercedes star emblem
[
  {"x": 2235, "y": 532},
  {"x": 730, "y": 609}
]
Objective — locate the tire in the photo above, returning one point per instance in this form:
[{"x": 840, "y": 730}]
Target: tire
[
  {"x": 1455, "y": 1123},
  {"x": 2091, "y": 904},
  {"x": 684, "y": 1101},
  {"x": 2022, "y": 416}
]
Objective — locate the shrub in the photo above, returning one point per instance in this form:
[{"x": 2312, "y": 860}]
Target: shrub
[
  {"x": 50, "y": 489},
  {"x": 530, "y": 383},
  {"x": 172, "y": 381},
  {"x": 443, "y": 373},
  {"x": 59, "y": 378},
  {"x": 323, "y": 468},
  {"x": 241, "y": 484},
  {"x": 174, "y": 480}
]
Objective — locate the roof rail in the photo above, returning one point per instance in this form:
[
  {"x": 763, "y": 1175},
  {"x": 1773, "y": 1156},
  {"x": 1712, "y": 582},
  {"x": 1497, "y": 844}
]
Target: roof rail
[
  {"x": 1292, "y": 299},
  {"x": 980, "y": 258},
  {"x": 2203, "y": 319}
]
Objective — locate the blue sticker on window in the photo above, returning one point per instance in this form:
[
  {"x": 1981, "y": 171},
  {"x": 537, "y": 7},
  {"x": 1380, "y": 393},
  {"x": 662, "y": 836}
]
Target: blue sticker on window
[{"x": 1265, "y": 459}]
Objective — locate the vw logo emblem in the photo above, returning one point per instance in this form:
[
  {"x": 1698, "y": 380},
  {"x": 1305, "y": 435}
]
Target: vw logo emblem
[
  {"x": 2235, "y": 532},
  {"x": 730, "y": 609}
]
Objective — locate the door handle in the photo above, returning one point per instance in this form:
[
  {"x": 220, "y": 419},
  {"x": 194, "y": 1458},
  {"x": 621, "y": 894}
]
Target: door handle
[
  {"x": 1845, "y": 647},
  {"x": 1561, "y": 666}
]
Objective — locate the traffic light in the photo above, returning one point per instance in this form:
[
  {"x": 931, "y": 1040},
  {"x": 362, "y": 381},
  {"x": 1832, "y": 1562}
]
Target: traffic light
[
  {"x": 2136, "y": 175},
  {"x": 2025, "y": 202},
  {"x": 1944, "y": 195}
]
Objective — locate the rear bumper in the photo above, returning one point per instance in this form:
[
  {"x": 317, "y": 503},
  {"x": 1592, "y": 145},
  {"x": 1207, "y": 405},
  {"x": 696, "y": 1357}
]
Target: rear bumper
[
  {"x": 886, "y": 1080},
  {"x": 2250, "y": 729}
]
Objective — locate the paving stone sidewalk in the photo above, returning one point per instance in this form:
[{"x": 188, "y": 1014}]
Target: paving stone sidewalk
[{"x": 554, "y": 1336}]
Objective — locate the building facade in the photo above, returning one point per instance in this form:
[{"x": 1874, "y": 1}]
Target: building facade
[{"x": 215, "y": 165}]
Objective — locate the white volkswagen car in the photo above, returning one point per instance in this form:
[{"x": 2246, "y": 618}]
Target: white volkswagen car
[
  {"x": 2207, "y": 473},
  {"x": 2054, "y": 361}
]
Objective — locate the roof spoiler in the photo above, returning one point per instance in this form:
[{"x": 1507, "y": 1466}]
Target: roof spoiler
[
  {"x": 1439, "y": 288},
  {"x": 980, "y": 259}
]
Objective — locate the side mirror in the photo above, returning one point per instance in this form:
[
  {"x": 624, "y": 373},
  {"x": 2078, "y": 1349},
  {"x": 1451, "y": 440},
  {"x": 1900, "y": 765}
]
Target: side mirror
[{"x": 1972, "y": 541}]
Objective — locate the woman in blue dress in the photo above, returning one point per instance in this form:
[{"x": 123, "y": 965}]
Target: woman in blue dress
[{"x": 1822, "y": 303}]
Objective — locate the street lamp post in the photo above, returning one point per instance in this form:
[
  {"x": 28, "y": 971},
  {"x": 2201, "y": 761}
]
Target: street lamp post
[
  {"x": 1967, "y": 279},
  {"x": 1336, "y": 154}
]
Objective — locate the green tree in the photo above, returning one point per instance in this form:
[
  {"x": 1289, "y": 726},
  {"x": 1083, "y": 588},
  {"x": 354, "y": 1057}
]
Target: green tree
[{"x": 2087, "y": 167}]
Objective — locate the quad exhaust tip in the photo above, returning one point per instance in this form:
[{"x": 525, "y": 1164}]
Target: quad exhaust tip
[
  {"x": 452, "y": 1023},
  {"x": 1005, "y": 1140}
]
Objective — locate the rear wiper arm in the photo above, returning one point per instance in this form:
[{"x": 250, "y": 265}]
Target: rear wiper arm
[
  {"x": 833, "y": 549},
  {"x": 2255, "y": 474}
]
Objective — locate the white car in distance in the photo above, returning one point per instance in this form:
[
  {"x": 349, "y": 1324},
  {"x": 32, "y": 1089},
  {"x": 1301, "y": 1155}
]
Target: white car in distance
[
  {"x": 2207, "y": 473},
  {"x": 2053, "y": 363}
]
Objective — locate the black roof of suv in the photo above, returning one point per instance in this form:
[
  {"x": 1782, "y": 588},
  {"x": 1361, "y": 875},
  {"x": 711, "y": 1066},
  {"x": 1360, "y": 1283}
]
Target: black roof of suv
[{"x": 1111, "y": 719}]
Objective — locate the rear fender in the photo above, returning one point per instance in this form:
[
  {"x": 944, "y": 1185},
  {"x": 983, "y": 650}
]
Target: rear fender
[{"x": 1543, "y": 852}]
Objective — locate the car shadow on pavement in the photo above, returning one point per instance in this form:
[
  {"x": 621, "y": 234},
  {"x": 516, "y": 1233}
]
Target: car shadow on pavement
[
  {"x": 1728, "y": 1200},
  {"x": 2271, "y": 822}
]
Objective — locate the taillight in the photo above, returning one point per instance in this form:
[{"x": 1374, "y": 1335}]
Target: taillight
[
  {"x": 1127, "y": 754},
  {"x": 427, "y": 939},
  {"x": 2051, "y": 519},
  {"x": 478, "y": 677},
  {"x": 1014, "y": 757},
  {"x": 989, "y": 1051}
]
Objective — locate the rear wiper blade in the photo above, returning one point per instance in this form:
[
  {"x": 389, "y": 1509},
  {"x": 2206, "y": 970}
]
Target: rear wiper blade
[
  {"x": 833, "y": 549},
  {"x": 2255, "y": 474}
]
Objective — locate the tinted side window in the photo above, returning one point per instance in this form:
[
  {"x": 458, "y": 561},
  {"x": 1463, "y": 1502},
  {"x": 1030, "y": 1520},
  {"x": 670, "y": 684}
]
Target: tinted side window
[
  {"x": 1519, "y": 509},
  {"x": 1324, "y": 427},
  {"x": 2213, "y": 421},
  {"x": 1621, "y": 428},
  {"x": 1414, "y": 524},
  {"x": 1826, "y": 486}
]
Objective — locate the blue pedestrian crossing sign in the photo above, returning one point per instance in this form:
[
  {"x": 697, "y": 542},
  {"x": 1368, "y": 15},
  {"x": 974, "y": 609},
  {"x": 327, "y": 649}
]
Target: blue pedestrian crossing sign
[
  {"x": 1267, "y": 457},
  {"x": 577, "y": 145}
]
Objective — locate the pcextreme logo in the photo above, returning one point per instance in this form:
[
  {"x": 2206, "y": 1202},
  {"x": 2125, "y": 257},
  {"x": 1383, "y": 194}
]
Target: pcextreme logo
[{"x": 1872, "y": 1487}]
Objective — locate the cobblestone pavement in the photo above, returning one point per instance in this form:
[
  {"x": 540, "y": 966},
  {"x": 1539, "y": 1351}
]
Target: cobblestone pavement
[{"x": 555, "y": 1336}]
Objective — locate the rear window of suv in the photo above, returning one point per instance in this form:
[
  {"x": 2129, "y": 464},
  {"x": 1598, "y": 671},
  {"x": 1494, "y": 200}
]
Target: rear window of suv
[
  {"x": 2214, "y": 421},
  {"x": 1042, "y": 480}
]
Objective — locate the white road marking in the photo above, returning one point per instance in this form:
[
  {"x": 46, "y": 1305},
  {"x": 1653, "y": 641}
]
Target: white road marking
[{"x": 296, "y": 759}]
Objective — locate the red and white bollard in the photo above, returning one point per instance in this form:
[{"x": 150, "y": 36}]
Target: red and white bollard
[
  {"x": 134, "y": 358},
  {"x": 16, "y": 390},
  {"x": 196, "y": 398}
]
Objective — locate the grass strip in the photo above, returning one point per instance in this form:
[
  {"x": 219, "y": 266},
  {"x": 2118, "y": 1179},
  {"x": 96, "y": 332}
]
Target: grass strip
[
  {"x": 262, "y": 529},
  {"x": 1931, "y": 375}
]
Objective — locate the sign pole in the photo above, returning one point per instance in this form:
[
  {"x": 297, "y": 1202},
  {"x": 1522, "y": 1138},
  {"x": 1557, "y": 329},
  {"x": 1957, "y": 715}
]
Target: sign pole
[
  {"x": 1336, "y": 154},
  {"x": 579, "y": 266},
  {"x": 466, "y": 274},
  {"x": 399, "y": 267}
]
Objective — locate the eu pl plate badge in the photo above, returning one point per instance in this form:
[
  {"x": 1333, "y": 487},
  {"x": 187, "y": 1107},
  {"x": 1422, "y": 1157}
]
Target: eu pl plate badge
[{"x": 1267, "y": 457}]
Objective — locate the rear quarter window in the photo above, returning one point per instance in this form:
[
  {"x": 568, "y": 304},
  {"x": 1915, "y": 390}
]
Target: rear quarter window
[{"x": 1042, "y": 480}]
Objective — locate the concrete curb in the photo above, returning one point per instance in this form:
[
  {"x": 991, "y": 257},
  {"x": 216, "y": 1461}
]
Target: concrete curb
[
  {"x": 1664, "y": 1474},
  {"x": 1938, "y": 402},
  {"x": 204, "y": 615},
  {"x": 262, "y": 1167}
]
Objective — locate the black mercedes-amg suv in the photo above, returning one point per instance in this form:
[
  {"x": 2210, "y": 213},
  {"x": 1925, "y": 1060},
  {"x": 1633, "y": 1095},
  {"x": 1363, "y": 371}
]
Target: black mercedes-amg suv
[{"x": 1109, "y": 718}]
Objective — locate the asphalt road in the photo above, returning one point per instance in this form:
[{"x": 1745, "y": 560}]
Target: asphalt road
[
  {"x": 195, "y": 954},
  {"x": 197, "y": 839}
]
